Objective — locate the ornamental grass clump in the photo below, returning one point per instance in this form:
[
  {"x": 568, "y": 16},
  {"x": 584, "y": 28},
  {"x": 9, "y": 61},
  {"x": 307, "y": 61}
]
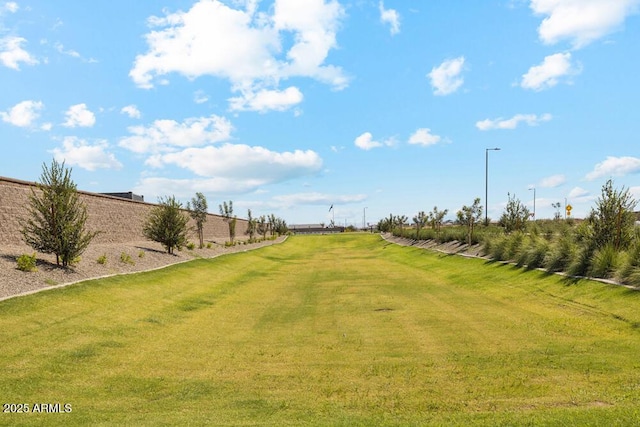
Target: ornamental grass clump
[
  {"x": 536, "y": 252},
  {"x": 629, "y": 269},
  {"x": 604, "y": 262},
  {"x": 27, "y": 262},
  {"x": 560, "y": 255}
]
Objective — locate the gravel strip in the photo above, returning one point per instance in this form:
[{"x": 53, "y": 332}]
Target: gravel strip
[{"x": 138, "y": 256}]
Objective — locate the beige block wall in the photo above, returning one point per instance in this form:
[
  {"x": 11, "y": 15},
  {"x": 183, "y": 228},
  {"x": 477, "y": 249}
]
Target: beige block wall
[{"x": 119, "y": 220}]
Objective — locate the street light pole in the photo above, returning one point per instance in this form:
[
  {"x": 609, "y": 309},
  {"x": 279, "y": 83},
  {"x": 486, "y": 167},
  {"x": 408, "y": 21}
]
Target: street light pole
[
  {"x": 364, "y": 217},
  {"x": 486, "y": 183},
  {"x": 534, "y": 202}
]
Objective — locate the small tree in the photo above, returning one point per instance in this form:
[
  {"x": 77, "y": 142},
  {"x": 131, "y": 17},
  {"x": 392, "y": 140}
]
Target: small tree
[
  {"x": 436, "y": 217},
  {"x": 251, "y": 225},
  {"x": 468, "y": 216},
  {"x": 198, "y": 211},
  {"x": 271, "y": 219},
  {"x": 279, "y": 225},
  {"x": 612, "y": 221},
  {"x": 385, "y": 225},
  {"x": 226, "y": 210},
  {"x": 263, "y": 227},
  {"x": 57, "y": 218},
  {"x": 515, "y": 215},
  {"x": 400, "y": 221},
  {"x": 420, "y": 220},
  {"x": 556, "y": 215},
  {"x": 167, "y": 224}
]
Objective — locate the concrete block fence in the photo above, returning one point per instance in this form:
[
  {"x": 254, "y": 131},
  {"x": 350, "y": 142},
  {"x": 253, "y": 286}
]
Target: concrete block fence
[{"x": 119, "y": 220}]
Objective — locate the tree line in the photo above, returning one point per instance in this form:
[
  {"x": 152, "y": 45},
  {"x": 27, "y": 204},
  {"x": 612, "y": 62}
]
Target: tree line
[
  {"x": 56, "y": 219},
  {"x": 606, "y": 244}
]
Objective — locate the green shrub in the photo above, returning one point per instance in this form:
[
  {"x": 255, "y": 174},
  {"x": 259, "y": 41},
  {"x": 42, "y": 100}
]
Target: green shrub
[
  {"x": 27, "y": 262},
  {"x": 536, "y": 253},
  {"x": 459, "y": 234},
  {"x": 487, "y": 244},
  {"x": 560, "y": 255},
  {"x": 630, "y": 265},
  {"x": 428, "y": 234},
  {"x": 581, "y": 261},
  {"x": 633, "y": 278},
  {"x": 515, "y": 241},
  {"x": 167, "y": 224},
  {"x": 604, "y": 262},
  {"x": 56, "y": 216},
  {"x": 191, "y": 246},
  {"x": 500, "y": 249},
  {"x": 209, "y": 245},
  {"x": 522, "y": 257},
  {"x": 141, "y": 254},
  {"x": 102, "y": 259},
  {"x": 125, "y": 258}
]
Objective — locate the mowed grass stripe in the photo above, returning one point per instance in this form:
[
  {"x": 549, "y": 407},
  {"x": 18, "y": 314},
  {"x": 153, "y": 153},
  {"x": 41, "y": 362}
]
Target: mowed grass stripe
[{"x": 339, "y": 330}]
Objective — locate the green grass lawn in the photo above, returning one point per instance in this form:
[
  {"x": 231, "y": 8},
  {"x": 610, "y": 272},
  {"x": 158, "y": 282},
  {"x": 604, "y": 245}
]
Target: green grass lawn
[{"x": 325, "y": 330}]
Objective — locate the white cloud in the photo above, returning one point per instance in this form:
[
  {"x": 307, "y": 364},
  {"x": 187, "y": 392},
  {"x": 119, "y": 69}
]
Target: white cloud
[
  {"x": 581, "y": 21},
  {"x": 513, "y": 122},
  {"x": 553, "y": 181},
  {"x": 12, "y": 53},
  {"x": 424, "y": 137},
  {"x": 11, "y": 6},
  {"x": 391, "y": 17},
  {"x": 614, "y": 166},
  {"x": 445, "y": 78},
  {"x": 366, "y": 142},
  {"x": 23, "y": 114},
  {"x": 167, "y": 135},
  {"x": 234, "y": 168},
  {"x": 314, "y": 24},
  {"x": 69, "y": 52},
  {"x": 318, "y": 199},
  {"x": 47, "y": 126},
  {"x": 247, "y": 48},
  {"x": 131, "y": 111},
  {"x": 78, "y": 152},
  {"x": 577, "y": 192},
  {"x": 265, "y": 100},
  {"x": 579, "y": 195},
  {"x": 635, "y": 193},
  {"x": 549, "y": 73},
  {"x": 154, "y": 187},
  {"x": 244, "y": 162},
  {"x": 79, "y": 116},
  {"x": 199, "y": 97}
]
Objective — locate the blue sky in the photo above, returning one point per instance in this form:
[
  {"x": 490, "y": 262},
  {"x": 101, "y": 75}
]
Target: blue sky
[{"x": 291, "y": 106}]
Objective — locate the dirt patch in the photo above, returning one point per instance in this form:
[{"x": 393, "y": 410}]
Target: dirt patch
[{"x": 119, "y": 258}]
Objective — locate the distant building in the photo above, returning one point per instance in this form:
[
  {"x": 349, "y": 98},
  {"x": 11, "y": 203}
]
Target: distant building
[
  {"x": 314, "y": 229},
  {"x": 129, "y": 196}
]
